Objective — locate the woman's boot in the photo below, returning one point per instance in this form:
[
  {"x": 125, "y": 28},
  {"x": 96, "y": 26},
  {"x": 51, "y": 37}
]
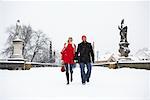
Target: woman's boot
[
  {"x": 67, "y": 76},
  {"x": 71, "y": 77}
]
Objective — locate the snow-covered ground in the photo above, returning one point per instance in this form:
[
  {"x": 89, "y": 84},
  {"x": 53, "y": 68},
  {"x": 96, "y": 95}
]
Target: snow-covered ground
[{"x": 50, "y": 84}]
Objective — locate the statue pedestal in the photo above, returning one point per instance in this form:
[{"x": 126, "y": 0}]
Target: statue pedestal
[
  {"x": 17, "y": 61},
  {"x": 124, "y": 50},
  {"x": 18, "y": 45}
]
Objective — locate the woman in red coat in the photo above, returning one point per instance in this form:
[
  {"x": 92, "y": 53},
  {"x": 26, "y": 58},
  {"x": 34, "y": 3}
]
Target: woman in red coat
[{"x": 68, "y": 54}]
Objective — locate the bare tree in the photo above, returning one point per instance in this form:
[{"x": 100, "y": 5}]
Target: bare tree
[
  {"x": 35, "y": 46},
  {"x": 40, "y": 43}
]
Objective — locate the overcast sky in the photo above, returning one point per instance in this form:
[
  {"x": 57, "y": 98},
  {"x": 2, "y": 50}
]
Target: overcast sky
[{"x": 98, "y": 20}]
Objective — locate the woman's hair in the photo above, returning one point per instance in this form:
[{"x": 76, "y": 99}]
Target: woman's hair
[{"x": 70, "y": 38}]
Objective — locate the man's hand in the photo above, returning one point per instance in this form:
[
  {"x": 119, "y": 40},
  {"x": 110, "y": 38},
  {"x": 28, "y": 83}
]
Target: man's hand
[{"x": 93, "y": 60}]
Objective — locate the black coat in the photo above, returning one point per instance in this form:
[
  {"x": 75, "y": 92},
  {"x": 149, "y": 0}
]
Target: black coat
[{"x": 85, "y": 52}]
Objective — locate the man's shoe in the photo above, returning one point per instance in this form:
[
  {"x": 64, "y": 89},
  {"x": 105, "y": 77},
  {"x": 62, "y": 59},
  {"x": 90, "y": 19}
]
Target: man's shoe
[
  {"x": 88, "y": 80},
  {"x": 83, "y": 83},
  {"x": 67, "y": 83},
  {"x": 71, "y": 80}
]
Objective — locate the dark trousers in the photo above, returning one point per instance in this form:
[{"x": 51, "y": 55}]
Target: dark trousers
[
  {"x": 85, "y": 75},
  {"x": 69, "y": 68}
]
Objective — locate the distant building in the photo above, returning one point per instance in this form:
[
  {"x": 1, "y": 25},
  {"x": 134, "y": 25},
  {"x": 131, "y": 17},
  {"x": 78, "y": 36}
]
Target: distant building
[
  {"x": 110, "y": 57},
  {"x": 143, "y": 54}
]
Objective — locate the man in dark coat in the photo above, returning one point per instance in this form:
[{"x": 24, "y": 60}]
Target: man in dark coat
[{"x": 85, "y": 53}]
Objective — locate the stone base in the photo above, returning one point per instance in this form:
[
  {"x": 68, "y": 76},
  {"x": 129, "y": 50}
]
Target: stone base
[
  {"x": 124, "y": 59},
  {"x": 17, "y": 56},
  {"x": 124, "y": 50}
]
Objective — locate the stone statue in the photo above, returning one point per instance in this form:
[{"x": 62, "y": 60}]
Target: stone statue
[
  {"x": 124, "y": 50},
  {"x": 123, "y": 31},
  {"x": 18, "y": 27}
]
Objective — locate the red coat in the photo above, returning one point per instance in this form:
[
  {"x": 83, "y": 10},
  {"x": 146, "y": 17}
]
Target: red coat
[{"x": 68, "y": 53}]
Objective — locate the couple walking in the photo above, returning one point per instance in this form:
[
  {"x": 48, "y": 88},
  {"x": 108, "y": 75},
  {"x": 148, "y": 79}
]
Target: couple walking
[{"x": 83, "y": 54}]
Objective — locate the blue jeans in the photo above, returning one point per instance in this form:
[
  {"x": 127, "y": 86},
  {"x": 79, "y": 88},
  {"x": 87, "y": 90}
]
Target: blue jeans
[{"x": 85, "y": 75}]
